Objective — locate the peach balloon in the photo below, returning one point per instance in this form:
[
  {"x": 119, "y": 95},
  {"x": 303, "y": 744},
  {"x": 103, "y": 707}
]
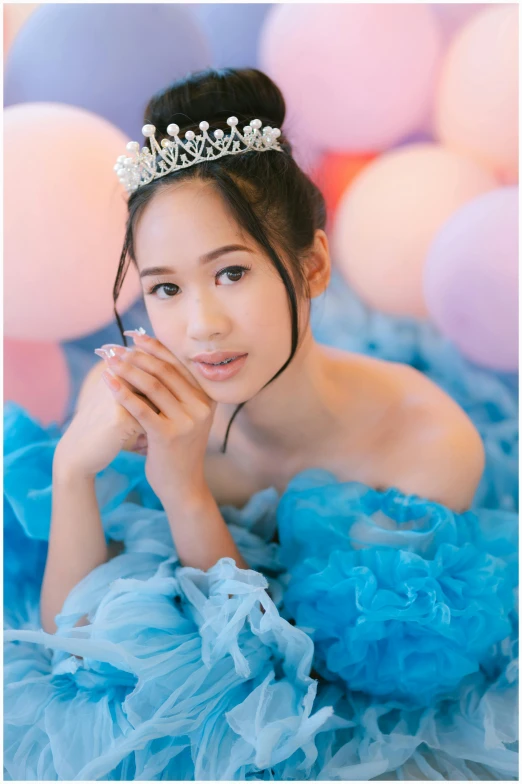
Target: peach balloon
[
  {"x": 64, "y": 222},
  {"x": 334, "y": 174},
  {"x": 476, "y": 107},
  {"x": 388, "y": 218},
  {"x": 15, "y": 16},
  {"x": 36, "y": 377},
  {"x": 356, "y": 76}
]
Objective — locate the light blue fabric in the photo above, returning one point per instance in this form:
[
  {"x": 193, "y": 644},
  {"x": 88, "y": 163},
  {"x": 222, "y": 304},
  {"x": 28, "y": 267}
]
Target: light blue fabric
[{"x": 378, "y": 638}]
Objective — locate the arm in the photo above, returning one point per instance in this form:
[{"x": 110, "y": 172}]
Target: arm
[
  {"x": 200, "y": 534},
  {"x": 76, "y": 545},
  {"x": 89, "y": 381}
]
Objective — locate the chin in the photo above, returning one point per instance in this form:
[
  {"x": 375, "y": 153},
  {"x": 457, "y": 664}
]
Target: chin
[{"x": 229, "y": 393}]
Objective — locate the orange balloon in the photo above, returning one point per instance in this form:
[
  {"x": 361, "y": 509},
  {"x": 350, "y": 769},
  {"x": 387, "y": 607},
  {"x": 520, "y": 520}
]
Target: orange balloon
[
  {"x": 36, "y": 376},
  {"x": 334, "y": 173},
  {"x": 15, "y": 16}
]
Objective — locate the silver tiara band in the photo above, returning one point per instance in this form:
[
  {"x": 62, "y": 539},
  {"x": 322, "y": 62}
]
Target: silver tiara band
[{"x": 173, "y": 155}]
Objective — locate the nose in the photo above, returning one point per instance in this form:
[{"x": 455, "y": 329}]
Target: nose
[{"x": 206, "y": 319}]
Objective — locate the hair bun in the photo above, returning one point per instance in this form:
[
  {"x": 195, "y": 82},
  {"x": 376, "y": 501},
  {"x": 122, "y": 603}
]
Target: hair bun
[{"x": 215, "y": 95}]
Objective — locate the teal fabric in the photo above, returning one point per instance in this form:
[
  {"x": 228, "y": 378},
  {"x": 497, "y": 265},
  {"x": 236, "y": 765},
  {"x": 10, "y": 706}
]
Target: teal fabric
[{"x": 376, "y": 638}]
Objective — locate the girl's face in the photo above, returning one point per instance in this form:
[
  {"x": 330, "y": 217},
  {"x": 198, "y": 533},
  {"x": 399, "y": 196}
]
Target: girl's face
[{"x": 201, "y": 298}]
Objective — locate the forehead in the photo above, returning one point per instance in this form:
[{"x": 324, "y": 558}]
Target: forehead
[{"x": 187, "y": 220}]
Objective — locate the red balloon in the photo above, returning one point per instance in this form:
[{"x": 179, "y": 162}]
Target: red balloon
[
  {"x": 334, "y": 173},
  {"x": 36, "y": 376}
]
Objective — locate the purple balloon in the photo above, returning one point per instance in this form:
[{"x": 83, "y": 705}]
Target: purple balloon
[
  {"x": 471, "y": 279},
  {"x": 107, "y": 58},
  {"x": 233, "y": 30}
]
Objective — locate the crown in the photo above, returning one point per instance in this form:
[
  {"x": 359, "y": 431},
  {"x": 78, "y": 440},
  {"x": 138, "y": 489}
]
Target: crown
[{"x": 175, "y": 155}]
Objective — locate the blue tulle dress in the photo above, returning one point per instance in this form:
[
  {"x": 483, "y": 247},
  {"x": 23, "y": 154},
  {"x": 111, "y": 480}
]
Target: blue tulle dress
[{"x": 373, "y": 637}]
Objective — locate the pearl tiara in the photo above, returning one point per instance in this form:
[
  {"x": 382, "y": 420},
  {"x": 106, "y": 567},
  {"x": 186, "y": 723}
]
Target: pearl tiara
[{"x": 177, "y": 154}]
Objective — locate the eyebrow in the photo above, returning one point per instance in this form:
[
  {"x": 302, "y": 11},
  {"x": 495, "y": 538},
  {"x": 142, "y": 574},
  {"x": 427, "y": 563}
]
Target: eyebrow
[{"x": 205, "y": 259}]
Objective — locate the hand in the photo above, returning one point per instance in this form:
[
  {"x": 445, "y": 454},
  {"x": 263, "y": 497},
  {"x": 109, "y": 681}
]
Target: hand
[
  {"x": 177, "y": 434},
  {"x": 99, "y": 430}
]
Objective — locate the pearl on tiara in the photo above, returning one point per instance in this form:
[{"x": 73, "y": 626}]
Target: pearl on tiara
[{"x": 169, "y": 156}]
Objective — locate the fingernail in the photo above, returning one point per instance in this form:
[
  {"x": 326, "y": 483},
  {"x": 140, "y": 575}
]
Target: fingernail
[
  {"x": 101, "y": 353},
  {"x": 117, "y": 349},
  {"x": 135, "y": 332}
]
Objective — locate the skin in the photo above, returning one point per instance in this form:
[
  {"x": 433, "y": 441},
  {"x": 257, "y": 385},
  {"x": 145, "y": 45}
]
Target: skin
[{"x": 365, "y": 419}]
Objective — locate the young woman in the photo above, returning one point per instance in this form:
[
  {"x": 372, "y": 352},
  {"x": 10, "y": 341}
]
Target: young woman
[{"x": 344, "y": 479}]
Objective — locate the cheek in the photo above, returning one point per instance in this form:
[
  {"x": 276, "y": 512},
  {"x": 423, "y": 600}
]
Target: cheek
[
  {"x": 165, "y": 329},
  {"x": 267, "y": 328}
]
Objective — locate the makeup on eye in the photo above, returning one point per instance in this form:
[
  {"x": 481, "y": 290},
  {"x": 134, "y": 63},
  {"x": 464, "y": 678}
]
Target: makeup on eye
[{"x": 236, "y": 269}]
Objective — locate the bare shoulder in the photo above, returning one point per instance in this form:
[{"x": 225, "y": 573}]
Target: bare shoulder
[
  {"x": 424, "y": 443},
  {"x": 437, "y": 452}
]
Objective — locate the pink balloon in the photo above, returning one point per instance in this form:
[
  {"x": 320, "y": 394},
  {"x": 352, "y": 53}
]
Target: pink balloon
[
  {"x": 36, "y": 377},
  {"x": 305, "y": 151},
  {"x": 387, "y": 219},
  {"x": 476, "y": 107},
  {"x": 471, "y": 279},
  {"x": 356, "y": 77},
  {"x": 64, "y": 222},
  {"x": 453, "y": 16}
]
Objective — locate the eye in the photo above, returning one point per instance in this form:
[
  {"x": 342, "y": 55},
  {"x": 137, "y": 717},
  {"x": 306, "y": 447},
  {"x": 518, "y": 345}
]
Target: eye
[
  {"x": 237, "y": 273},
  {"x": 170, "y": 290},
  {"x": 164, "y": 286}
]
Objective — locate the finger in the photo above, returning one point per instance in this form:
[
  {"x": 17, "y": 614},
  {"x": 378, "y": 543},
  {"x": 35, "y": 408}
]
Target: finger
[
  {"x": 156, "y": 348},
  {"x": 104, "y": 353},
  {"x": 138, "y": 408},
  {"x": 150, "y": 385},
  {"x": 159, "y": 365}
]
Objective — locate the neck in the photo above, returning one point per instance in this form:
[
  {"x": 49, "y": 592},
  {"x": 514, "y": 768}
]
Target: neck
[{"x": 293, "y": 410}]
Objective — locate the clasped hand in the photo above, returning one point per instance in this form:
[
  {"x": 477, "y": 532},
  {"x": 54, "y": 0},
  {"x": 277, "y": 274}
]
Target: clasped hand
[{"x": 177, "y": 434}]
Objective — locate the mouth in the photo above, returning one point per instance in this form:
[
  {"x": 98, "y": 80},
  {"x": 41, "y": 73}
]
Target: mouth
[{"x": 223, "y": 370}]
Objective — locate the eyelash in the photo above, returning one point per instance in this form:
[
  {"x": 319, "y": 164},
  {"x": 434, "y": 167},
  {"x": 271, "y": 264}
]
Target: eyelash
[{"x": 235, "y": 269}]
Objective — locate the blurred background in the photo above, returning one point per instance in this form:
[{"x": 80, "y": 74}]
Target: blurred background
[{"x": 405, "y": 115}]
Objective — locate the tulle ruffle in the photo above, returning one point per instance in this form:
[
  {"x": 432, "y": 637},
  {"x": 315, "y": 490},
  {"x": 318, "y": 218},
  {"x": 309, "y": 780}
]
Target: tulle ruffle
[
  {"x": 401, "y": 596},
  {"x": 377, "y": 640}
]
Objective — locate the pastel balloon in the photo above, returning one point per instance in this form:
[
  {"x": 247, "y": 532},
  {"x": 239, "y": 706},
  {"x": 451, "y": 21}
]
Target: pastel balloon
[
  {"x": 15, "y": 16},
  {"x": 64, "y": 222},
  {"x": 304, "y": 150},
  {"x": 387, "y": 220},
  {"x": 334, "y": 174},
  {"x": 232, "y": 31},
  {"x": 109, "y": 58},
  {"x": 471, "y": 279},
  {"x": 357, "y": 77},
  {"x": 36, "y": 377},
  {"x": 453, "y": 16},
  {"x": 476, "y": 107}
]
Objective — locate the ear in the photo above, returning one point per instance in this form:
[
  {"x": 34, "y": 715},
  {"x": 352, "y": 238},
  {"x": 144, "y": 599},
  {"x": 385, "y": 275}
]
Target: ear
[{"x": 317, "y": 264}]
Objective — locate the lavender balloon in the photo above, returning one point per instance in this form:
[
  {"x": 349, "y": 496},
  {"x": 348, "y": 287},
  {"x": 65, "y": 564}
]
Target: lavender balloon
[
  {"x": 107, "y": 58},
  {"x": 471, "y": 279},
  {"x": 233, "y": 31}
]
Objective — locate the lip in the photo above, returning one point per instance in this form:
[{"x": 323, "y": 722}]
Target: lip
[
  {"x": 221, "y": 372},
  {"x": 216, "y": 356}
]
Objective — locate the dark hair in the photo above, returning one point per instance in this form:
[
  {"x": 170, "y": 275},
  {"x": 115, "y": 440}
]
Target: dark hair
[{"x": 270, "y": 197}]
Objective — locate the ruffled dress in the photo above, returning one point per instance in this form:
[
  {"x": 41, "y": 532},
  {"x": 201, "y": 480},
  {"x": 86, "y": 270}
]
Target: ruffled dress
[{"x": 374, "y": 636}]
